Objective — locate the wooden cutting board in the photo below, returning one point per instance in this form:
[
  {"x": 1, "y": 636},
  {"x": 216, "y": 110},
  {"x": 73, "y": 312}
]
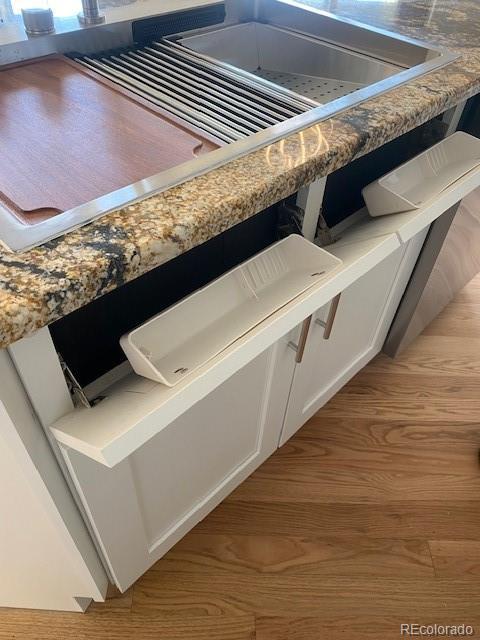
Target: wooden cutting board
[{"x": 68, "y": 137}]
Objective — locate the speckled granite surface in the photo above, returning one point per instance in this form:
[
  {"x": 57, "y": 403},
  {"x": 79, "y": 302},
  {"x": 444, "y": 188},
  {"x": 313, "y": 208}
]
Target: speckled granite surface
[{"x": 44, "y": 284}]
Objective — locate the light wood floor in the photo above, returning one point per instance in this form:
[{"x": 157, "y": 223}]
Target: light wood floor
[{"x": 369, "y": 517}]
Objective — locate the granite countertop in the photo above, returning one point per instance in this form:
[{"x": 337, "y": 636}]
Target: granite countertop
[{"x": 44, "y": 284}]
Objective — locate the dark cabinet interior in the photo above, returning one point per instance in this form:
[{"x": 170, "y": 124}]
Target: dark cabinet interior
[{"x": 88, "y": 339}]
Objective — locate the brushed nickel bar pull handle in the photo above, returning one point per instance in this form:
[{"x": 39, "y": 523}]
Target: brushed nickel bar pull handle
[
  {"x": 329, "y": 322},
  {"x": 300, "y": 347}
]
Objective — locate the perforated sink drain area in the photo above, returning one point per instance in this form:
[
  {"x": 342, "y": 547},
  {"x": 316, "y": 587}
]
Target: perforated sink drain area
[{"x": 320, "y": 89}]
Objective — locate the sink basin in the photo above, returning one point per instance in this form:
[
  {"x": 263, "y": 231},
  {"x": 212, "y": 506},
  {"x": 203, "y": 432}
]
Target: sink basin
[
  {"x": 298, "y": 62},
  {"x": 270, "y": 69}
]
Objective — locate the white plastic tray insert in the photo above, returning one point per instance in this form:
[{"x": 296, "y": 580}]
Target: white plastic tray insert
[
  {"x": 182, "y": 338},
  {"x": 411, "y": 185}
]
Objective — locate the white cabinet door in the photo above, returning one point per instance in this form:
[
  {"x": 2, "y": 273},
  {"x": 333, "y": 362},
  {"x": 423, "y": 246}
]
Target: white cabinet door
[
  {"x": 362, "y": 320},
  {"x": 145, "y": 504}
]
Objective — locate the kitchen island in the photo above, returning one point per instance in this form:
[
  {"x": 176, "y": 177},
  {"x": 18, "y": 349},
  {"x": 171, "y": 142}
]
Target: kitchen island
[
  {"x": 47, "y": 283},
  {"x": 50, "y": 282}
]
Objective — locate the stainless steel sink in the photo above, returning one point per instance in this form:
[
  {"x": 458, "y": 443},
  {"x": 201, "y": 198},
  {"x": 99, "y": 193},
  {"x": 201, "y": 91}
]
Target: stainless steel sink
[
  {"x": 314, "y": 53},
  {"x": 299, "y": 62},
  {"x": 273, "y": 68}
]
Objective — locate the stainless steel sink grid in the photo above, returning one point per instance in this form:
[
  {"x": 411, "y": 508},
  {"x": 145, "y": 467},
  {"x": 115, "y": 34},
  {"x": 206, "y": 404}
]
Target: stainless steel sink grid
[
  {"x": 220, "y": 101},
  {"x": 273, "y": 68}
]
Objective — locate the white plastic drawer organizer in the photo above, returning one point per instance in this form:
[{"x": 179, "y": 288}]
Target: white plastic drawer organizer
[{"x": 192, "y": 332}]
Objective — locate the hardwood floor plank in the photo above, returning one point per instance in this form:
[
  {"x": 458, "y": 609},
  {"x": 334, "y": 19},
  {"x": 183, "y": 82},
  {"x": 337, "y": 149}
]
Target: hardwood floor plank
[
  {"x": 359, "y": 487},
  {"x": 211, "y": 555},
  {"x": 470, "y": 293},
  {"x": 427, "y": 410},
  {"x": 316, "y": 471},
  {"x": 392, "y": 435},
  {"x": 369, "y": 451},
  {"x": 456, "y": 558},
  {"x": 188, "y": 594},
  {"x": 460, "y": 319},
  {"x": 35, "y": 625},
  {"x": 398, "y": 385},
  {"x": 345, "y": 628},
  {"x": 430, "y": 356},
  {"x": 401, "y": 520}
]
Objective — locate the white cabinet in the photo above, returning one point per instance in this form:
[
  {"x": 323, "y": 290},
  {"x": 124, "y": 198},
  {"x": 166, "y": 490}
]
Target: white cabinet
[
  {"x": 358, "y": 332},
  {"x": 146, "y": 503},
  {"x": 360, "y": 325},
  {"x": 150, "y": 461}
]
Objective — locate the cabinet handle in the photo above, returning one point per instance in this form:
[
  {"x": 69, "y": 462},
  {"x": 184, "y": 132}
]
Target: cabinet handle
[
  {"x": 300, "y": 347},
  {"x": 329, "y": 322}
]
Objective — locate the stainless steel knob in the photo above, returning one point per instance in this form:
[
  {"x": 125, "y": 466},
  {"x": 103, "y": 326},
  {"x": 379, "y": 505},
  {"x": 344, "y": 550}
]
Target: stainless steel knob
[
  {"x": 91, "y": 13},
  {"x": 38, "y": 22}
]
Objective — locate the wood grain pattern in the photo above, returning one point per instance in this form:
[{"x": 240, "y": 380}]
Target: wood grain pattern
[
  {"x": 184, "y": 595},
  {"x": 412, "y": 386},
  {"x": 364, "y": 486},
  {"x": 395, "y": 520},
  {"x": 32, "y": 625},
  {"x": 394, "y": 435},
  {"x": 432, "y": 357},
  {"x": 459, "y": 320},
  {"x": 346, "y": 628},
  {"x": 456, "y": 558},
  {"x": 288, "y": 555},
  {"x": 68, "y": 138},
  {"x": 368, "y": 518}
]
